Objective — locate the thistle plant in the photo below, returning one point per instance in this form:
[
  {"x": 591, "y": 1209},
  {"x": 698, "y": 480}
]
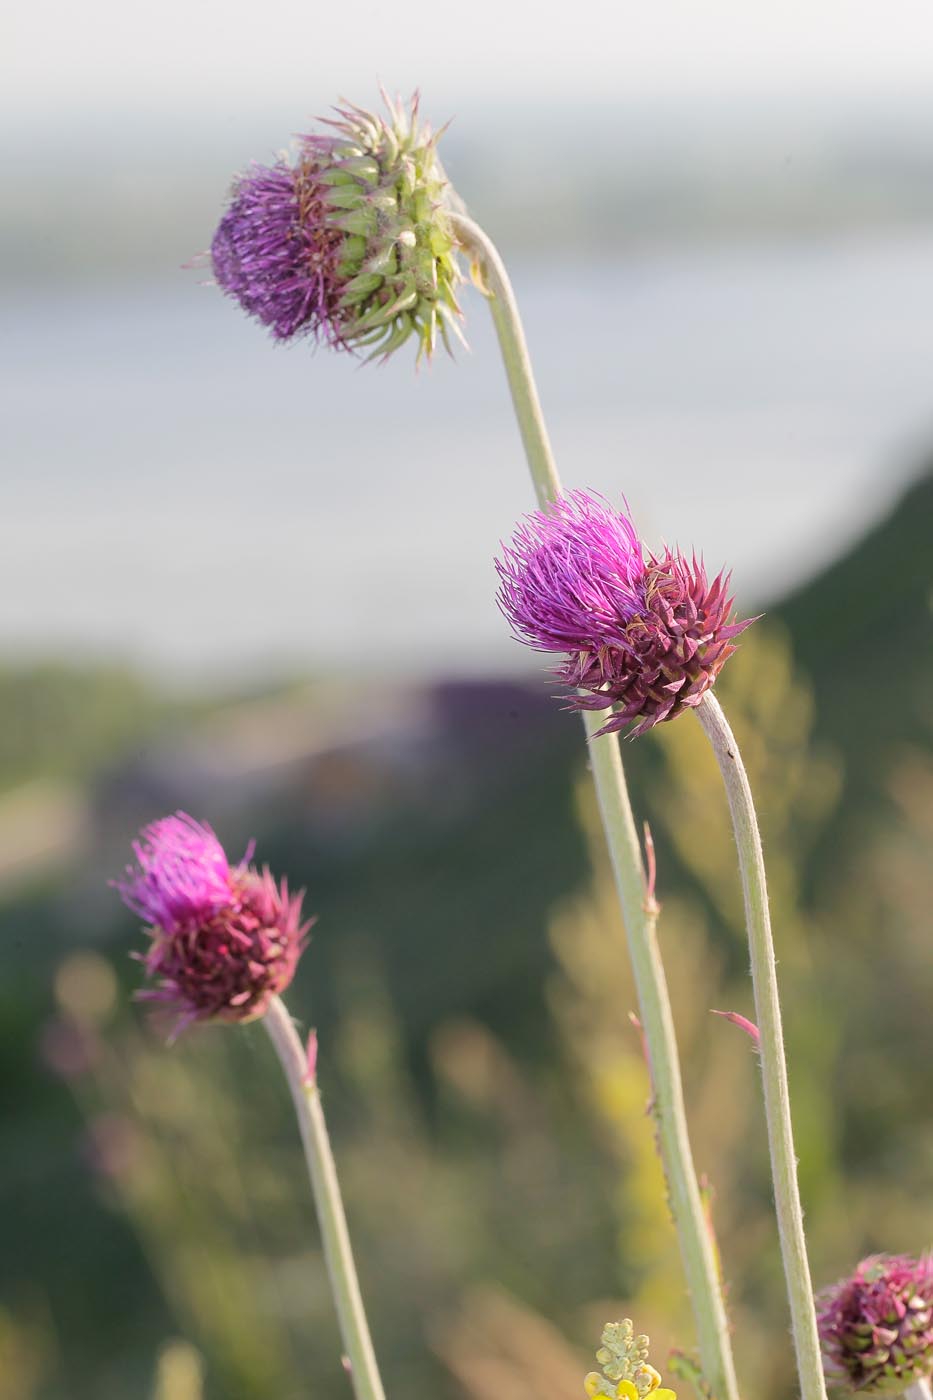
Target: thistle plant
[
  {"x": 635, "y": 889},
  {"x": 349, "y": 241},
  {"x": 224, "y": 943}
]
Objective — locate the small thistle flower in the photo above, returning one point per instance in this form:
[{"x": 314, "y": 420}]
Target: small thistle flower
[
  {"x": 225, "y": 940},
  {"x": 877, "y": 1326},
  {"x": 626, "y": 1372},
  {"x": 349, "y": 243},
  {"x": 647, "y": 637}
]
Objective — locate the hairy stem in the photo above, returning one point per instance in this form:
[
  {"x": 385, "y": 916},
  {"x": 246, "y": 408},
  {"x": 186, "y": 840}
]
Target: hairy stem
[
  {"x": 638, "y": 906},
  {"x": 325, "y": 1188},
  {"x": 773, "y": 1065}
]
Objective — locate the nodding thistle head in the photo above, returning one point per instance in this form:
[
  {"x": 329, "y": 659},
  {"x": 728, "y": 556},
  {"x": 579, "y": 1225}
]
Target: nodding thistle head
[
  {"x": 350, "y": 242},
  {"x": 225, "y": 939},
  {"x": 626, "y": 1373},
  {"x": 646, "y": 637},
  {"x": 876, "y": 1327}
]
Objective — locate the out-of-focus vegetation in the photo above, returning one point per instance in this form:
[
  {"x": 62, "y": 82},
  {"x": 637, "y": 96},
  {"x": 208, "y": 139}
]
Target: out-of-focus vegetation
[{"x": 469, "y": 982}]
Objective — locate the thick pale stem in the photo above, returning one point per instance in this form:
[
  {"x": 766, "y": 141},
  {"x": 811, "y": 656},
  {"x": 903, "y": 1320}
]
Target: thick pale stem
[
  {"x": 920, "y": 1390},
  {"x": 773, "y": 1065},
  {"x": 354, "y": 1329},
  {"x": 638, "y": 906}
]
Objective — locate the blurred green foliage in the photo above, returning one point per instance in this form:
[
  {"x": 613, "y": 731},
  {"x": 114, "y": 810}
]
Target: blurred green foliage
[
  {"x": 486, "y": 1090},
  {"x": 67, "y": 721}
]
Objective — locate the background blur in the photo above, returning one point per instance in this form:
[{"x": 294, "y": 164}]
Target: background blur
[{"x": 256, "y": 583}]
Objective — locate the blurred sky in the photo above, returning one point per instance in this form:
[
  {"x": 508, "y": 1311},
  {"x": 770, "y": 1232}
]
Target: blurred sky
[
  {"x": 719, "y": 217},
  {"x": 191, "y": 50}
]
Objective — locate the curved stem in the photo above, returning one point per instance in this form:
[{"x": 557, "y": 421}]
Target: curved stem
[
  {"x": 773, "y": 1066},
  {"x": 325, "y": 1188},
  {"x": 504, "y": 310},
  {"x": 638, "y": 907}
]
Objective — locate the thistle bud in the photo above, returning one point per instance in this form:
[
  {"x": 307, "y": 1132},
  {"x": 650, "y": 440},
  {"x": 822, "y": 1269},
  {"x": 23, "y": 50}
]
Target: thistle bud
[
  {"x": 876, "y": 1327},
  {"x": 649, "y": 637},
  {"x": 626, "y": 1372},
  {"x": 349, "y": 242},
  {"x": 224, "y": 939}
]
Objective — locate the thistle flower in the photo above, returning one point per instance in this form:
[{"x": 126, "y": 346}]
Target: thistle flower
[
  {"x": 647, "y": 637},
  {"x": 225, "y": 940},
  {"x": 350, "y": 242},
  {"x": 626, "y": 1372},
  {"x": 876, "y": 1327}
]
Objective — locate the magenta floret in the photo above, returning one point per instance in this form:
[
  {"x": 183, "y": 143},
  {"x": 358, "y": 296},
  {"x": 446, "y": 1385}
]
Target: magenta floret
[
  {"x": 574, "y": 575},
  {"x": 182, "y": 876}
]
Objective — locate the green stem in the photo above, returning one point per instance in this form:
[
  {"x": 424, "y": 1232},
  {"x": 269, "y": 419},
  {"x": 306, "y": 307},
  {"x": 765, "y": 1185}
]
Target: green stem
[
  {"x": 638, "y": 906},
  {"x": 325, "y": 1188},
  {"x": 773, "y": 1066},
  {"x": 514, "y": 348}
]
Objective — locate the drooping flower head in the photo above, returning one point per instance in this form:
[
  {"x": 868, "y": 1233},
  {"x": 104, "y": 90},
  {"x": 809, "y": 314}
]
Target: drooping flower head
[
  {"x": 225, "y": 939},
  {"x": 349, "y": 242},
  {"x": 876, "y": 1327},
  {"x": 626, "y": 1372},
  {"x": 647, "y": 636}
]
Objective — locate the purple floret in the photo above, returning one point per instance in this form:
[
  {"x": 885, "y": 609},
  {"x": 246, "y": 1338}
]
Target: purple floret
[
  {"x": 276, "y": 260},
  {"x": 573, "y": 576}
]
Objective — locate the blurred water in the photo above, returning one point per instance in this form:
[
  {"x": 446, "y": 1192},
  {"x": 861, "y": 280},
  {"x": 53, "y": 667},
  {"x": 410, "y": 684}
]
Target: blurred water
[{"x": 181, "y": 493}]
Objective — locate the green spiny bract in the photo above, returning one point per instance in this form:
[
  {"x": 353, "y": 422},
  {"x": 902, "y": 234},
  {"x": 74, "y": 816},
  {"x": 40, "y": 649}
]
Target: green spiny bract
[{"x": 385, "y": 190}]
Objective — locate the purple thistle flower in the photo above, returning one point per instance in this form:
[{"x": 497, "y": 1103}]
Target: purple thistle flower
[
  {"x": 224, "y": 940},
  {"x": 647, "y": 637},
  {"x": 351, "y": 243},
  {"x": 876, "y": 1327}
]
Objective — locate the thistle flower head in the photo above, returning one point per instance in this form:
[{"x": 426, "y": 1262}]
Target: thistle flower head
[
  {"x": 626, "y": 1372},
  {"x": 350, "y": 242},
  {"x": 647, "y": 637},
  {"x": 876, "y": 1326},
  {"x": 224, "y": 940}
]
